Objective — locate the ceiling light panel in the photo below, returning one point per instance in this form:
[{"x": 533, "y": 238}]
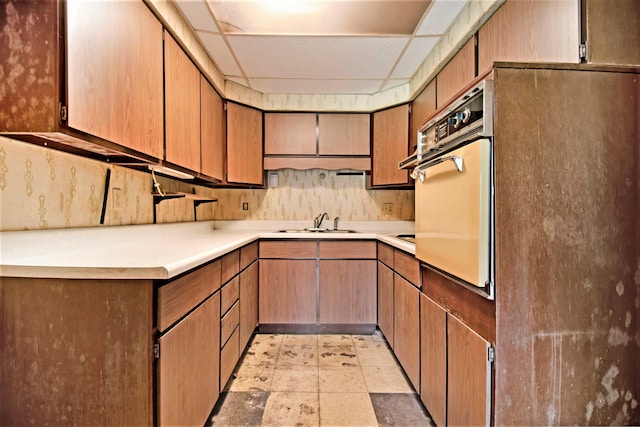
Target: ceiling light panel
[
  {"x": 317, "y": 57},
  {"x": 440, "y": 16},
  {"x": 418, "y": 49},
  {"x": 218, "y": 50},
  {"x": 316, "y": 87},
  {"x": 198, "y": 14},
  {"x": 319, "y": 17}
]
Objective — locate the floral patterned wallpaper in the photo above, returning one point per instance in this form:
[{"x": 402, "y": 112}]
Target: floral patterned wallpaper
[{"x": 42, "y": 188}]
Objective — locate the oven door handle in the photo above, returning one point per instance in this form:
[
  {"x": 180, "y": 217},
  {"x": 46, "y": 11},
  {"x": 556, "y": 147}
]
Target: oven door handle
[{"x": 418, "y": 172}]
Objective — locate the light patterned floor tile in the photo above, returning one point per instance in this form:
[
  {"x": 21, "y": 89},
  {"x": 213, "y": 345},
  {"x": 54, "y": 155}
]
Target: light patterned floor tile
[
  {"x": 251, "y": 377},
  {"x": 297, "y": 355},
  {"x": 375, "y": 354},
  {"x": 295, "y": 378},
  {"x": 263, "y": 350},
  {"x": 346, "y": 409},
  {"x": 341, "y": 379},
  {"x": 362, "y": 339},
  {"x": 331, "y": 340},
  {"x": 344, "y": 355},
  {"x": 385, "y": 379},
  {"x": 291, "y": 409},
  {"x": 300, "y": 339}
]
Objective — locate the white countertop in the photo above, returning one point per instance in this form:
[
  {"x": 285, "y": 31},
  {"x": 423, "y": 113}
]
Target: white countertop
[{"x": 159, "y": 251}]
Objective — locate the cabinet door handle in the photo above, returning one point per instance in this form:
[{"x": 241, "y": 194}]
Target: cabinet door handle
[{"x": 418, "y": 172}]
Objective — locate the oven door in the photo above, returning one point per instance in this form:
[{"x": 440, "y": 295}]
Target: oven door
[{"x": 454, "y": 214}]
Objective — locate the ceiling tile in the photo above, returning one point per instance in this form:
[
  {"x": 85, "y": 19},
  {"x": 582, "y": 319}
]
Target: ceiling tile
[
  {"x": 440, "y": 16},
  {"x": 198, "y": 14},
  {"x": 317, "y": 57},
  {"x": 363, "y": 17},
  {"x": 312, "y": 86},
  {"x": 417, "y": 50},
  {"x": 220, "y": 53}
]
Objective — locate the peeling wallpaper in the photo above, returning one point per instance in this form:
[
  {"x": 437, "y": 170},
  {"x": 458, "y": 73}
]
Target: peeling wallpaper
[{"x": 42, "y": 188}]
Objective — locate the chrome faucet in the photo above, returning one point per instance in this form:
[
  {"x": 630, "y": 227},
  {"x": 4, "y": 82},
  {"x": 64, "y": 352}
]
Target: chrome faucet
[
  {"x": 318, "y": 220},
  {"x": 335, "y": 223}
]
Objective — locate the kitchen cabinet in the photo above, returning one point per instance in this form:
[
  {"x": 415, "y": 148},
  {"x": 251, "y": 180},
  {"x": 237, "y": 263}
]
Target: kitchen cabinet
[
  {"x": 230, "y": 315},
  {"x": 290, "y": 134},
  {"x": 317, "y": 140},
  {"x": 399, "y": 307},
  {"x": 212, "y": 131},
  {"x": 532, "y": 31},
  {"x": 315, "y": 284},
  {"x": 457, "y": 74},
  {"x": 182, "y": 107},
  {"x": 111, "y": 97},
  {"x": 433, "y": 359},
  {"x": 244, "y": 145},
  {"x": 612, "y": 31},
  {"x": 422, "y": 107},
  {"x": 390, "y": 146},
  {"x": 249, "y": 279}
]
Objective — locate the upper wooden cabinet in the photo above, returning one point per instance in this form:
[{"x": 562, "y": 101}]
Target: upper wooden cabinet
[
  {"x": 182, "y": 107},
  {"x": 244, "y": 145},
  {"x": 459, "y": 72},
  {"x": 613, "y": 31},
  {"x": 212, "y": 131},
  {"x": 390, "y": 135},
  {"x": 343, "y": 134},
  {"x": 290, "y": 133},
  {"x": 532, "y": 31},
  {"x": 423, "y": 107}
]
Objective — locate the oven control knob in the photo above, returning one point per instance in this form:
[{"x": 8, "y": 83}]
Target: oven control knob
[
  {"x": 466, "y": 115},
  {"x": 455, "y": 121}
]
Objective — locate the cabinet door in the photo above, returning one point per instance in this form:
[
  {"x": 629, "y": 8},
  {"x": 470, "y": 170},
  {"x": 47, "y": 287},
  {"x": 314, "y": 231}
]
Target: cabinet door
[
  {"x": 287, "y": 292},
  {"x": 613, "y": 29},
  {"x": 459, "y": 72},
  {"x": 469, "y": 376},
  {"x": 182, "y": 107},
  {"x": 189, "y": 367},
  {"x": 244, "y": 145},
  {"x": 114, "y": 73},
  {"x": 248, "y": 303},
  {"x": 385, "y": 301},
  {"x": 290, "y": 133},
  {"x": 390, "y": 136},
  {"x": 421, "y": 109},
  {"x": 344, "y": 134},
  {"x": 433, "y": 359},
  {"x": 347, "y": 291},
  {"x": 532, "y": 31},
  {"x": 212, "y": 131},
  {"x": 406, "y": 328}
]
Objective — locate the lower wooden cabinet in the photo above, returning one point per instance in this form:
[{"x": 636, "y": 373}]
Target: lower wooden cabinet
[
  {"x": 455, "y": 368},
  {"x": 385, "y": 301},
  {"x": 347, "y": 291},
  {"x": 248, "y": 303},
  {"x": 406, "y": 326},
  {"x": 188, "y": 367},
  {"x": 287, "y": 291}
]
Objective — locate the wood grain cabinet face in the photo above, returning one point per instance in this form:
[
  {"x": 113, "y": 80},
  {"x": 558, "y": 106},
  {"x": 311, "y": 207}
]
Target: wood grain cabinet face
[
  {"x": 347, "y": 292},
  {"x": 244, "y": 145},
  {"x": 613, "y": 30},
  {"x": 406, "y": 328},
  {"x": 115, "y": 92},
  {"x": 385, "y": 301},
  {"x": 188, "y": 367},
  {"x": 390, "y": 146},
  {"x": 212, "y": 131},
  {"x": 422, "y": 108},
  {"x": 248, "y": 303},
  {"x": 290, "y": 133},
  {"x": 344, "y": 134},
  {"x": 433, "y": 359},
  {"x": 182, "y": 107},
  {"x": 459, "y": 72}
]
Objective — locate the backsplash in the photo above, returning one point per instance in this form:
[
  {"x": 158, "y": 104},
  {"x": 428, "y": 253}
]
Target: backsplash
[{"x": 42, "y": 188}]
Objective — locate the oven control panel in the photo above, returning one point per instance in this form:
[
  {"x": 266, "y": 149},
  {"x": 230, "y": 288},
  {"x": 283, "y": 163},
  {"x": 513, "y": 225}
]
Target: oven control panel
[{"x": 455, "y": 121}]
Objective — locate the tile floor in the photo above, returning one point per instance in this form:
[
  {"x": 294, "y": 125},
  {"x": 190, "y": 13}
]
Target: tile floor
[{"x": 319, "y": 380}]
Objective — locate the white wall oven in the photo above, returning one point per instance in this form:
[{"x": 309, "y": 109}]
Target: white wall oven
[{"x": 453, "y": 169}]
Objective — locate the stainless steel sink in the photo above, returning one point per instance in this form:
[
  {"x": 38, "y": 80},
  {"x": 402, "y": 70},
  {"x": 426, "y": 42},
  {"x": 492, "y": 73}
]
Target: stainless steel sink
[
  {"x": 411, "y": 238},
  {"x": 316, "y": 230}
]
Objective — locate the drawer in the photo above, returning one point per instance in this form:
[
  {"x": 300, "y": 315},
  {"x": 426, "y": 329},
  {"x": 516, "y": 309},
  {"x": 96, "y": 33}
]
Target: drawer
[
  {"x": 229, "y": 356},
  {"x": 229, "y": 295},
  {"x": 230, "y": 265},
  {"x": 301, "y": 249},
  {"x": 407, "y": 266},
  {"x": 229, "y": 323},
  {"x": 179, "y": 296},
  {"x": 348, "y": 249},
  {"x": 385, "y": 254},
  {"x": 248, "y": 254}
]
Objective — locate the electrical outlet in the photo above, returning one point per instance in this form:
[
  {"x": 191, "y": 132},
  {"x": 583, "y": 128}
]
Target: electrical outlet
[
  {"x": 117, "y": 199},
  {"x": 245, "y": 206},
  {"x": 387, "y": 208}
]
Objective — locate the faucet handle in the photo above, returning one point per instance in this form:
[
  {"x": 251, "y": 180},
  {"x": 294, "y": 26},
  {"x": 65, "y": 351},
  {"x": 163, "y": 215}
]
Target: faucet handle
[{"x": 335, "y": 223}]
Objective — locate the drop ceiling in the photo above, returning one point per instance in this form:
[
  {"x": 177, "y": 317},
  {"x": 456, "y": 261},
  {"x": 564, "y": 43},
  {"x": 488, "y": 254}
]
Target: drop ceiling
[{"x": 358, "y": 47}]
